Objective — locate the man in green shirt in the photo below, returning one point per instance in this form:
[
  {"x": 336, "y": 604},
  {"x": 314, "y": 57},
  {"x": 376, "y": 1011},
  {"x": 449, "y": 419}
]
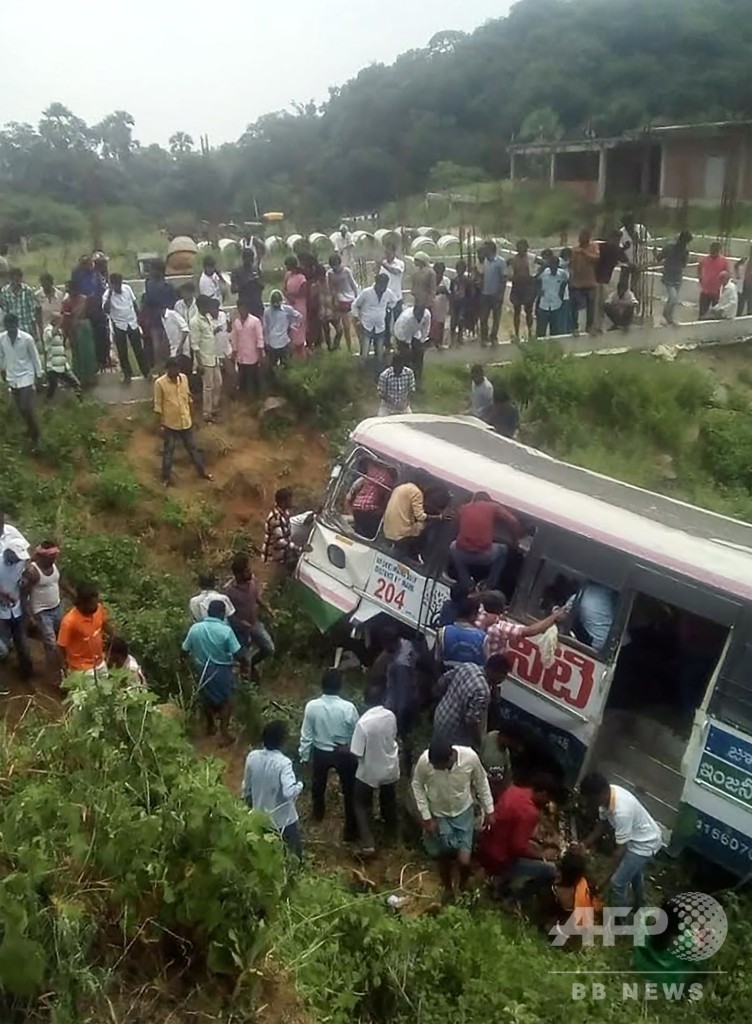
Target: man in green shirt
[{"x": 212, "y": 646}]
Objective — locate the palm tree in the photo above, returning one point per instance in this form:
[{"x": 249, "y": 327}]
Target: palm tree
[{"x": 180, "y": 143}]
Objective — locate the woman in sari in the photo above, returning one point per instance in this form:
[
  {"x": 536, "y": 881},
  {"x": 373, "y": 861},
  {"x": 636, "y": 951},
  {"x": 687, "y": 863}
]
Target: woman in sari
[
  {"x": 79, "y": 333},
  {"x": 316, "y": 277},
  {"x": 295, "y": 288}
]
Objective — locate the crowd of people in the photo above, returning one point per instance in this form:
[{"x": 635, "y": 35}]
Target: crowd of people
[
  {"x": 65, "y": 336},
  {"x": 34, "y": 589}
]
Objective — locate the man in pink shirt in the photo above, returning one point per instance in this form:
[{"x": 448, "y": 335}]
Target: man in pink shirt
[
  {"x": 709, "y": 271},
  {"x": 247, "y": 342}
]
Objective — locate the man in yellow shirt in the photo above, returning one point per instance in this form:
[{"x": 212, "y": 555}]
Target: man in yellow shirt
[
  {"x": 172, "y": 403},
  {"x": 405, "y": 516}
]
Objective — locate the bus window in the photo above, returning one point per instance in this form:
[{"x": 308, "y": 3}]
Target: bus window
[
  {"x": 362, "y": 495},
  {"x": 592, "y": 606}
]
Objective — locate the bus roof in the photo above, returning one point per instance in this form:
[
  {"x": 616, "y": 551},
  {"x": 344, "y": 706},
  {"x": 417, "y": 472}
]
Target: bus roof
[{"x": 465, "y": 452}]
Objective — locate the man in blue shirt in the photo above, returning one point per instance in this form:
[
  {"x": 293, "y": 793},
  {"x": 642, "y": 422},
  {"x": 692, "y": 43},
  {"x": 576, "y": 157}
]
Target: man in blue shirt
[
  {"x": 328, "y": 725},
  {"x": 269, "y": 785},
  {"x": 212, "y": 646},
  {"x": 493, "y": 269}
]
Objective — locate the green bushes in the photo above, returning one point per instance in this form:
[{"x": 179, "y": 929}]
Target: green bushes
[
  {"x": 726, "y": 446},
  {"x": 117, "y": 841},
  {"x": 569, "y": 402},
  {"x": 356, "y": 960},
  {"x": 116, "y": 489},
  {"x": 324, "y": 392}
]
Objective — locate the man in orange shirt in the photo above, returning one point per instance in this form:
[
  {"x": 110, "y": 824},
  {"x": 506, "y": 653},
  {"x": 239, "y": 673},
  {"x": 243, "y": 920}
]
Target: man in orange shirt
[{"x": 83, "y": 631}]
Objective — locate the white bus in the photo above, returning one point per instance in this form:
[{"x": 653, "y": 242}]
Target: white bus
[{"x": 663, "y": 705}]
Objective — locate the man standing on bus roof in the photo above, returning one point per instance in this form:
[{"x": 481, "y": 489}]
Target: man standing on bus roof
[
  {"x": 638, "y": 837},
  {"x": 475, "y": 548}
]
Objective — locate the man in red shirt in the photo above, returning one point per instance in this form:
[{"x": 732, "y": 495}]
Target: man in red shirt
[
  {"x": 508, "y": 850},
  {"x": 709, "y": 271},
  {"x": 475, "y": 548}
]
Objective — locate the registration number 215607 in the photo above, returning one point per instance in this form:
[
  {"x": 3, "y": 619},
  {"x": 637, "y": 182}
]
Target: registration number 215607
[{"x": 389, "y": 593}]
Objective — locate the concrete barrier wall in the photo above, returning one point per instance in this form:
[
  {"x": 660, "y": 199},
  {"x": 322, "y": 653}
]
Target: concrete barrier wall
[{"x": 642, "y": 339}]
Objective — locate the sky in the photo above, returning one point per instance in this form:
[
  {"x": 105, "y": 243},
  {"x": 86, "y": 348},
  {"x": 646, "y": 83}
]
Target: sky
[{"x": 209, "y": 68}]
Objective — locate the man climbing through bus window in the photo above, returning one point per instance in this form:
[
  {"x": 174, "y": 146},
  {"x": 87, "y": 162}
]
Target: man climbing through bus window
[
  {"x": 501, "y": 630},
  {"x": 638, "y": 838},
  {"x": 475, "y": 551},
  {"x": 410, "y": 508}
]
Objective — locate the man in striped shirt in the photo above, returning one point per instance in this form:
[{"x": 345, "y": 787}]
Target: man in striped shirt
[{"x": 501, "y": 630}]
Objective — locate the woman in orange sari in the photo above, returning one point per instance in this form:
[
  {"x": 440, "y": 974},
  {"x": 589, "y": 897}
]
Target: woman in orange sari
[{"x": 295, "y": 288}]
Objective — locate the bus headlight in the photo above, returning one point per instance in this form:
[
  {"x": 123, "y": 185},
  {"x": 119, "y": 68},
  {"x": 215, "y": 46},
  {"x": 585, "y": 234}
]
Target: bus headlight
[{"x": 336, "y": 556}]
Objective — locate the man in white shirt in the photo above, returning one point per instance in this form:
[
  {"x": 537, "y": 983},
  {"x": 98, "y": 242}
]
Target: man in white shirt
[
  {"x": 621, "y": 306},
  {"x": 12, "y": 618},
  {"x": 447, "y": 782},
  {"x": 20, "y": 368},
  {"x": 49, "y": 301},
  {"x": 411, "y": 331},
  {"x": 481, "y": 392},
  {"x": 638, "y": 838},
  {"x": 374, "y": 743},
  {"x": 370, "y": 309},
  {"x": 210, "y": 283},
  {"x": 186, "y": 304},
  {"x": 727, "y": 305},
  {"x": 344, "y": 245},
  {"x": 119, "y": 303},
  {"x": 395, "y": 268},
  {"x": 198, "y": 606},
  {"x": 270, "y": 786},
  {"x": 328, "y": 725},
  {"x": 177, "y": 332}
]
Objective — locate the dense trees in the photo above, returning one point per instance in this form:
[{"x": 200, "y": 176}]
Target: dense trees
[{"x": 551, "y": 67}]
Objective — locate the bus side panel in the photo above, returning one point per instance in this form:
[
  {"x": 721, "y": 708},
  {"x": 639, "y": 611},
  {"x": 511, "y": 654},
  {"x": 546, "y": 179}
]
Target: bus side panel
[
  {"x": 569, "y": 748},
  {"x": 335, "y": 569},
  {"x": 716, "y": 816}
]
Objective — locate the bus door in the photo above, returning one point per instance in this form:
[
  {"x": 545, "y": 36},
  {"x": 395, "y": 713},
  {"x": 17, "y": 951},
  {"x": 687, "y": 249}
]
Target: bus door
[
  {"x": 672, "y": 646},
  {"x": 716, "y": 813}
]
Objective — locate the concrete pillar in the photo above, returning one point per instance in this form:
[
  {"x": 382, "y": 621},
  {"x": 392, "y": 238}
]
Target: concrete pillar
[
  {"x": 552, "y": 170},
  {"x": 645, "y": 171},
  {"x": 662, "y": 186},
  {"x": 600, "y": 193},
  {"x": 511, "y": 167},
  {"x": 741, "y": 169}
]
